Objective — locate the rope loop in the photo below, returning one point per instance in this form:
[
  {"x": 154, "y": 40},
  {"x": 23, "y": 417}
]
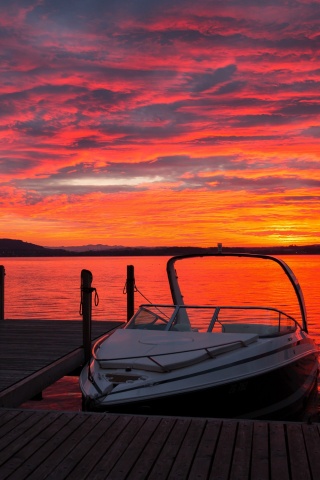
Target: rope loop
[
  {"x": 125, "y": 290},
  {"x": 96, "y": 297},
  {"x": 89, "y": 290}
]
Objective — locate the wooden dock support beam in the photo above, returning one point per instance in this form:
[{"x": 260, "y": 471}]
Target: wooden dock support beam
[
  {"x": 2, "y": 275},
  {"x": 130, "y": 291},
  {"x": 86, "y": 303}
]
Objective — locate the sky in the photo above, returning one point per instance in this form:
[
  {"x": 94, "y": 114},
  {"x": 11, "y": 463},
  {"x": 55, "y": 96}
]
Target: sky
[{"x": 160, "y": 123}]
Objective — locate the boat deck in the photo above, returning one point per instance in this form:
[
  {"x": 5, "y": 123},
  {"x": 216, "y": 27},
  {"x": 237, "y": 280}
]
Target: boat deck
[
  {"x": 36, "y": 353},
  {"x": 71, "y": 445}
]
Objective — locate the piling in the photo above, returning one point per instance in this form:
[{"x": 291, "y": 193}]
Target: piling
[
  {"x": 130, "y": 284},
  {"x": 2, "y": 275},
  {"x": 86, "y": 303}
]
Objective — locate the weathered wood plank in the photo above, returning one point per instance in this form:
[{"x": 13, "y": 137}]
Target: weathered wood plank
[
  {"x": 124, "y": 465},
  {"x": 100, "y": 448},
  {"x": 279, "y": 466},
  {"x": 187, "y": 451},
  {"x": 224, "y": 453},
  {"x": 70, "y": 445},
  {"x": 5, "y": 417},
  {"x": 83, "y": 451},
  {"x": 298, "y": 459},
  {"x": 156, "y": 443},
  {"x": 62, "y": 441},
  {"x": 240, "y": 466},
  {"x": 106, "y": 463},
  {"x": 312, "y": 441},
  {"x": 36, "y": 353},
  {"x": 260, "y": 452},
  {"x": 14, "y": 430},
  {"x": 26, "y": 432},
  {"x": 205, "y": 452},
  {"x": 25, "y": 457},
  {"x": 170, "y": 450}
]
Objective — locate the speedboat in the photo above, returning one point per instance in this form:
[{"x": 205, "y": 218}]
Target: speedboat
[{"x": 243, "y": 353}]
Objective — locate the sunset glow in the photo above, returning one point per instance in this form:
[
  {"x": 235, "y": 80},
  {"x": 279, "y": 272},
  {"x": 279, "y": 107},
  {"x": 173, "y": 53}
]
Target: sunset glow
[{"x": 147, "y": 123}]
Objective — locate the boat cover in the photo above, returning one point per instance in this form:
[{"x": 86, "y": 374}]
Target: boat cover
[{"x": 163, "y": 351}]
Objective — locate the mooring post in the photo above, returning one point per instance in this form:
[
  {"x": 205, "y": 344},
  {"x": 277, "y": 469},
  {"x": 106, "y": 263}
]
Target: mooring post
[
  {"x": 130, "y": 291},
  {"x": 2, "y": 274},
  {"x": 86, "y": 302}
]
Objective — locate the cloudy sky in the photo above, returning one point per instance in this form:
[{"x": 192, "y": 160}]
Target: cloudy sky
[{"x": 148, "y": 122}]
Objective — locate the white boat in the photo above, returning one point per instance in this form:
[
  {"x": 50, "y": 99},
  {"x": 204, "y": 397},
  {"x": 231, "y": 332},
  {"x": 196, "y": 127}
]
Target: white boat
[{"x": 228, "y": 358}]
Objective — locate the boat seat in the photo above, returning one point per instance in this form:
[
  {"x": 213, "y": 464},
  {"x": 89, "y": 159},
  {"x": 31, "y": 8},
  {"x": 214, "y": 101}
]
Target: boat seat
[{"x": 257, "y": 328}]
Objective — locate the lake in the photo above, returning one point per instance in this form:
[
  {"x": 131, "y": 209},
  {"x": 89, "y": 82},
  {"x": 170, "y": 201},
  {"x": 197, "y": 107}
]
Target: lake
[{"x": 49, "y": 288}]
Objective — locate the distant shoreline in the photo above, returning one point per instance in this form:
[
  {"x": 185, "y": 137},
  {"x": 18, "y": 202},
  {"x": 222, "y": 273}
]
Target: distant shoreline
[{"x": 18, "y": 248}]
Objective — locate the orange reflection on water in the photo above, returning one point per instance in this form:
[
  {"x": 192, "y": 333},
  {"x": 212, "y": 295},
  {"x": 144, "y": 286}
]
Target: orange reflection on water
[
  {"x": 50, "y": 287},
  {"x": 237, "y": 281}
]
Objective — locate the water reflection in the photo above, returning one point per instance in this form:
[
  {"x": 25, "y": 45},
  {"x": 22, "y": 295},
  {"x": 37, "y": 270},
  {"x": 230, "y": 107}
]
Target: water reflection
[{"x": 50, "y": 287}]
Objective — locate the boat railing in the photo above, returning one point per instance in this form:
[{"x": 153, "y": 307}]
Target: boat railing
[{"x": 263, "y": 320}]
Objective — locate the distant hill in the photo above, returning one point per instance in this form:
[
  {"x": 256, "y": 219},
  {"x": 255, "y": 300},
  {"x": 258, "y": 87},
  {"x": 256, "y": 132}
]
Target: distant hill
[
  {"x": 90, "y": 248},
  {"x": 18, "y": 248}
]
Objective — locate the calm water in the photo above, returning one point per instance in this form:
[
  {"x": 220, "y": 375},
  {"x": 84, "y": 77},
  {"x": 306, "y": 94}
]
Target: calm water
[{"x": 49, "y": 288}]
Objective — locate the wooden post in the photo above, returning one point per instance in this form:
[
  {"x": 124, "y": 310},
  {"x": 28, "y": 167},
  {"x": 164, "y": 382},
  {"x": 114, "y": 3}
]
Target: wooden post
[
  {"x": 130, "y": 291},
  {"x": 86, "y": 302},
  {"x": 2, "y": 274}
]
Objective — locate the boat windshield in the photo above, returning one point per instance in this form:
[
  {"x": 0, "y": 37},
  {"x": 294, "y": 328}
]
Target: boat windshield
[{"x": 263, "y": 321}]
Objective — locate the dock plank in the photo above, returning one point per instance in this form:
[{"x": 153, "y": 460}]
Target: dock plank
[
  {"x": 164, "y": 462},
  {"x": 152, "y": 450},
  {"x": 5, "y": 417},
  {"x": 127, "y": 460},
  {"x": 279, "y": 465},
  {"x": 183, "y": 462},
  {"x": 260, "y": 452},
  {"x": 72, "y": 445},
  {"x": 298, "y": 457},
  {"x": 92, "y": 456},
  {"x": 52, "y": 453},
  {"x": 36, "y": 353},
  {"x": 107, "y": 462},
  {"x": 17, "y": 452},
  {"x": 222, "y": 459},
  {"x": 64, "y": 468},
  {"x": 311, "y": 436},
  {"x": 200, "y": 467},
  {"x": 17, "y": 430},
  {"x": 242, "y": 452},
  {"x": 26, "y": 456}
]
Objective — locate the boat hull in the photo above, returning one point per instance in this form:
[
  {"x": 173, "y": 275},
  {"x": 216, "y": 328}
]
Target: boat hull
[
  {"x": 222, "y": 359},
  {"x": 281, "y": 393}
]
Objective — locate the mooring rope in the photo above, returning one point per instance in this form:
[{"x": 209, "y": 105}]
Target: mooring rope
[
  {"x": 135, "y": 289},
  {"x": 89, "y": 290}
]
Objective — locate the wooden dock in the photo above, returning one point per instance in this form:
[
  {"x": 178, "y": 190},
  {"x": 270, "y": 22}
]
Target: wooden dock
[
  {"x": 38, "y": 444},
  {"x": 36, "y": 353},
  {"x": 70, "y": 445}
]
